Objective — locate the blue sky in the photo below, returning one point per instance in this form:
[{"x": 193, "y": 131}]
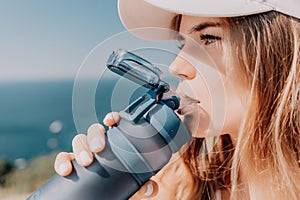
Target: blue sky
[{"x": 45, "y": 40}]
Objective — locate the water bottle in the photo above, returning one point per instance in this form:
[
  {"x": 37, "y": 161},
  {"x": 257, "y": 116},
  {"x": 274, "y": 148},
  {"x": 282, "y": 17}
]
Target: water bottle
[{"x": 142, "y": 142}]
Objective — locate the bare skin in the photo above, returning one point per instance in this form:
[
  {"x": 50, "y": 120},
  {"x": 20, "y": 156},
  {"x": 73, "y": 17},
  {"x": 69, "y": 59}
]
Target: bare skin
[
  {"x": 94, "y": 142},
  {"x": 85, "y": 145},
  {"x": 194, "y": 84}
]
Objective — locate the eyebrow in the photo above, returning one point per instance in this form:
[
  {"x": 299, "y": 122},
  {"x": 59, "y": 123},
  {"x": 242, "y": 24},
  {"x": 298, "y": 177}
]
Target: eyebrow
[{"x": 203, "y": 26}]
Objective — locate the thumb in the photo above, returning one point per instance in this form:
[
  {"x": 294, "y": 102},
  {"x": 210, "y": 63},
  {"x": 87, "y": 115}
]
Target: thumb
[
  {"x": 148, "y": 190},
  {"x": 111, "y": 119}
]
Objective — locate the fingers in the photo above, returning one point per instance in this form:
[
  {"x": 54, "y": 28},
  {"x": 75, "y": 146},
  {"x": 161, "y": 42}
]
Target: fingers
[
  {"x": 96, "y": 138},
  {"x": 111, "y": 118},
  {"x": 85, "y": 145},
  {"x": 63, "y": 164},
  {"x": 83, "y": 155}
]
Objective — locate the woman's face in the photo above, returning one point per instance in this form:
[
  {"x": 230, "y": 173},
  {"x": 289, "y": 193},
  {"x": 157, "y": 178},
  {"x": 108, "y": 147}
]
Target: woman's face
[{"x": 208, "y": 76}]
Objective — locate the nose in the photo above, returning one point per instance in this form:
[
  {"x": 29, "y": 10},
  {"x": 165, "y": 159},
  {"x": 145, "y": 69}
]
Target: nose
[{"x": 182, "y": 69}]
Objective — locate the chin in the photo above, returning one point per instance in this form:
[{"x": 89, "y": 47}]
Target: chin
[{"x": 196, "y": 119}]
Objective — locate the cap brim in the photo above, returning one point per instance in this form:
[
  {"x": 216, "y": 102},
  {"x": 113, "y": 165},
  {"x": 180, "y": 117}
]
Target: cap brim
[
  {"x": 137, "y": 14},
  {"x": 211, "y": 8}
]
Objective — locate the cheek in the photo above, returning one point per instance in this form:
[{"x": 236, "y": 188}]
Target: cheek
[
  {"x": 217, "y": 55},
  {"x": 221, "y": 109},
  {"x": 204, "y": 119},
  {"x": 236, "y": 109}
]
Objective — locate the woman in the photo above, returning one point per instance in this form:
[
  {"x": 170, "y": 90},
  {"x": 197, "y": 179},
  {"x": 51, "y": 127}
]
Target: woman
[{"x": 255, "y": 47}]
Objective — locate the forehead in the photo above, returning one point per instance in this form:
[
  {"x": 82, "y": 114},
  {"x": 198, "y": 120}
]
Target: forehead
[{"x": 189, "y": 22}]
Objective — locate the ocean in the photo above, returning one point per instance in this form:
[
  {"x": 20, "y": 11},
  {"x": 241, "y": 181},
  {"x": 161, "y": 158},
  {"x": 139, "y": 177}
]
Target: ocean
[{"x": 37, "y": 118}]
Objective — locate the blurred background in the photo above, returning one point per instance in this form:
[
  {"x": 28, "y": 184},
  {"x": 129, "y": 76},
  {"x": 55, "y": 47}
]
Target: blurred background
[
  {"x": 43, "y": 43},
  {"x": 46, "y": 47}
]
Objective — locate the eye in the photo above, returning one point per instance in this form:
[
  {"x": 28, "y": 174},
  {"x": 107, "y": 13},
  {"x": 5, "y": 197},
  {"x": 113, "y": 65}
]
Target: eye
[{"x": 209, "y": 39}]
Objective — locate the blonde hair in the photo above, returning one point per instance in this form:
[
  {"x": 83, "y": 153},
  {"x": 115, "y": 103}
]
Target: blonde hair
[
  {"x": 266, "y": 48},
  {"x": 268, "y": 51}
]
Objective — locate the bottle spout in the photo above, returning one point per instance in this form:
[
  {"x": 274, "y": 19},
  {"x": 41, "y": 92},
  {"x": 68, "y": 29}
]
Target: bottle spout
[{"x": 172, "y": 102}]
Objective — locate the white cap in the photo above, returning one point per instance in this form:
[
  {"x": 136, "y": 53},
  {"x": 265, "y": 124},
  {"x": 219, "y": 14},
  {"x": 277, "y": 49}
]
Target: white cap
[{"x": 159, "y": 13}]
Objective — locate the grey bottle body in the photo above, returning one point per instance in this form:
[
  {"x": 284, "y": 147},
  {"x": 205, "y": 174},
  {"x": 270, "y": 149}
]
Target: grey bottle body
[{"x": 136, "y": 149}]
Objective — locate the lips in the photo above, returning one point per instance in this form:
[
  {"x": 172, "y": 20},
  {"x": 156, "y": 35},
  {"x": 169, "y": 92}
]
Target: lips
[{"x": 187, "y": 104}]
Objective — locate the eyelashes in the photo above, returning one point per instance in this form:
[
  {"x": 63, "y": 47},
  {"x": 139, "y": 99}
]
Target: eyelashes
[
  {"x": 209, "y": 39},
  {"x": 205, "y": 39}
]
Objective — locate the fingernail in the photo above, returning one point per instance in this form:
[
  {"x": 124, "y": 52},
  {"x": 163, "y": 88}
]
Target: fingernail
[
  {"x": 115, "y": 115},
  {"x": 95, "y": 144},
  {"x": 84, "y": 157},
  {"x": 63, "y": 168},
  {"x": 149, "y": 190},
  {"x": 109, "y": 117}
]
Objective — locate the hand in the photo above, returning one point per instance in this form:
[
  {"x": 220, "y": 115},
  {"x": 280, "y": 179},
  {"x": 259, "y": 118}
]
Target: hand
[{"x": 85, "y": 145}]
